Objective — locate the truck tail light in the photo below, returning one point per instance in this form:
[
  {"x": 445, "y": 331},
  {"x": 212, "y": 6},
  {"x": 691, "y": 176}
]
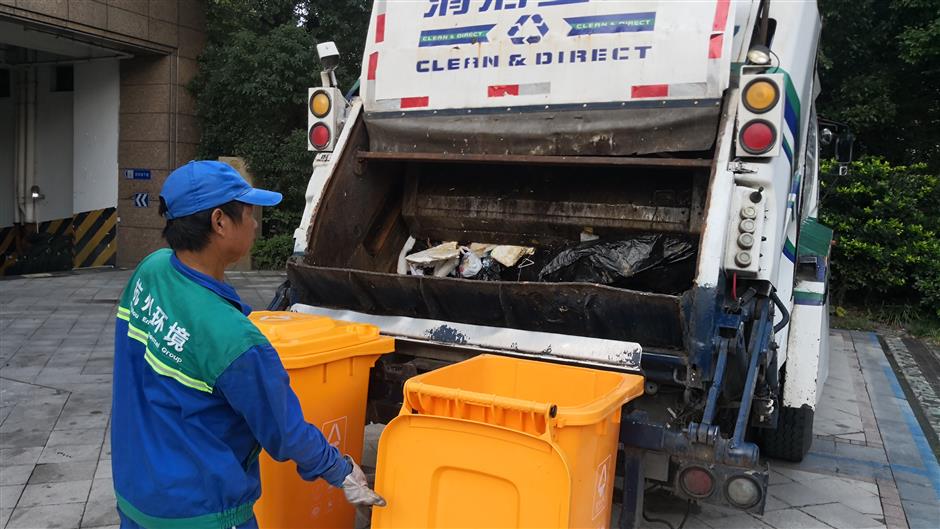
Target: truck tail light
[
  {"x": 320, "y": 104},
  {"x": 760, "y": 114},
  {"x": 697, "y": 482},
  {"x": 320, "y": 136},
  {"x": 743, "y": 492},
  {"x": 760, "y": 95},
  {"x": 757, "y": 137},
  {"x": 326, "y": 107}
]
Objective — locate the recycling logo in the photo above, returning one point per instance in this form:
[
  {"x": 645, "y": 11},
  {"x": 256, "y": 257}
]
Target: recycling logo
[{"x": 529, "y": 29}]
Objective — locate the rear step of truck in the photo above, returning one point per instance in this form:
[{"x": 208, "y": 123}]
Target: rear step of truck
[{"x": 619, "y": 355}]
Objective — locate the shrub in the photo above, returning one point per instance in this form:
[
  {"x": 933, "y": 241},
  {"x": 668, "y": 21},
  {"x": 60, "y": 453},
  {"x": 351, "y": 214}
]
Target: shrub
[
  {"x": 271, "y": 253},
  {"x": 887, "y": 223}
]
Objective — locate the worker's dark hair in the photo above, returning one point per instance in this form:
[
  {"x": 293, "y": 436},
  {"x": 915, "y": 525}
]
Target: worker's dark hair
[{"x": 192, "y": 231}]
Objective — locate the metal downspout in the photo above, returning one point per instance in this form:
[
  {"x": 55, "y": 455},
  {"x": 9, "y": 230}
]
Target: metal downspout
[
  {"x": 25, "y": 145},
  {"x": 30, "y": 173},
  {"x": 19, "y": 191}
]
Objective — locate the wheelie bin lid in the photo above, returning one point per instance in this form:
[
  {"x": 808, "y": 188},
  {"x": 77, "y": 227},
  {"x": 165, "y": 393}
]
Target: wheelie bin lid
[
  {"x": 304, "y": 340},
  {"x": 561, "y": 395}
]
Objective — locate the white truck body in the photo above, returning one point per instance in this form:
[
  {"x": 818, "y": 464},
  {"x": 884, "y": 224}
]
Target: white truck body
[
  {"x": 474, "y": 55},
  {"x": 590, "y": 85}
]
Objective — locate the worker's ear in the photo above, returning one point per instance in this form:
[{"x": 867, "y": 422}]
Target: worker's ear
[{"x": 219, "y": 222}]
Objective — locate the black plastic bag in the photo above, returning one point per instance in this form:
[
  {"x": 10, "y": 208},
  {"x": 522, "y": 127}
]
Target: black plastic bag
[
  {"x": 615, "y": 262},
  {"x": 491, "y": 270}
]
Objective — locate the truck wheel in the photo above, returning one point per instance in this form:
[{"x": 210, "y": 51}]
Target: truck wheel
[{"x": 791, "y": 440}]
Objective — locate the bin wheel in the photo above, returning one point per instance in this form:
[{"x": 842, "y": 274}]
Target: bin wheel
[{"x": 791, "y": 440}]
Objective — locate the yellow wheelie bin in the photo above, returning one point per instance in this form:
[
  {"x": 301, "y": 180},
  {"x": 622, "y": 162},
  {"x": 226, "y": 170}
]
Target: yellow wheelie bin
[
  {"x": 501, "y": 442},
  {"x": 328, "y": 362}
]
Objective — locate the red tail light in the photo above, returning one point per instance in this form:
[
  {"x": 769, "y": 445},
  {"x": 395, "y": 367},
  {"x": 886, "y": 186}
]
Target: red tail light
[
  {"x": 758, "y": 137},
  {"x": 320, "y": 135},
  {"x": 743, "y": 492},
  {"x": 697, "y": 482}
]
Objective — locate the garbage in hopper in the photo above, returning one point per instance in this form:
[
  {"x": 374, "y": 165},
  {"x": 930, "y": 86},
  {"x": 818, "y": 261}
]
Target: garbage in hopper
[
  {"x": 510, "y": 255},
  {"x": 443, "y": 259},
  {"x": 608, "y": 262},
  {"x": 476, "y": 261},
  {"x": 470, "y": 263}
]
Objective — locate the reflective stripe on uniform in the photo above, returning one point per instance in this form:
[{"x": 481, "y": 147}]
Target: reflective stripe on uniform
[
  {"x": 142, "y": 336},
  {"x": 179, "y": 376}
]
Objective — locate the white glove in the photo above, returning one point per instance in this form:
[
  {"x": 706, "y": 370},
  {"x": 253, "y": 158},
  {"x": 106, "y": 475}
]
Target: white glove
[{"x": 356, "y": 488}]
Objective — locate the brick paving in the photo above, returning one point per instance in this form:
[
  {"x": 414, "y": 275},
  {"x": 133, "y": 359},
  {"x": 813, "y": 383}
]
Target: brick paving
[
  {"x": 869, "y": 466},
  {"x": 56, "y": 353}
]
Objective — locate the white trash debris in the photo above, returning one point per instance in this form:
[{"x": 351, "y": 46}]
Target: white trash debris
[
  {"x": 431, "y": 256},
  {"x": 509, "y": 255},
  {"x": 443, "y": 258},
  {"x": 470, "y": 263},
  {"x": 402, "y": 263},
  {"x": 480, "y": 249}
]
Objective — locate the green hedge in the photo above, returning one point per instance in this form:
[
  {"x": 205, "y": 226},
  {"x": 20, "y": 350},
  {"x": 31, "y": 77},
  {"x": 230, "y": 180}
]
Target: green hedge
[
  {"x": 270, "y": 253},
  {"x": 887, "y": 223}
]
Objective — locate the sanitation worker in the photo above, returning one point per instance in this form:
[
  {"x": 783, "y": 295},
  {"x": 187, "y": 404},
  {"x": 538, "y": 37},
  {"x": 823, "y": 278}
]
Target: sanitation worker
[{"x": 198, "y": 390}]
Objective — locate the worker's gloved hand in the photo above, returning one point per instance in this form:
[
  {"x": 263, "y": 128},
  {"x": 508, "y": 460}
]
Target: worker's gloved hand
[{"x": 356, "y": 488}]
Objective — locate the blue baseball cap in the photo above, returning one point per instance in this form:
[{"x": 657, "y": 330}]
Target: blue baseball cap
[{"x": 204, "y": 184}]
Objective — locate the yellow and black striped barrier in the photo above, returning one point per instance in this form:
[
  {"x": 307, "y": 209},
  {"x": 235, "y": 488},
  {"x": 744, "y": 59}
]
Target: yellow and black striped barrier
[
  {"x": 89, "y": 239},
  {"x": 56, "y": 228},
  {"x": 95, "y": 238},
  {"x": 8, "y": 247}
]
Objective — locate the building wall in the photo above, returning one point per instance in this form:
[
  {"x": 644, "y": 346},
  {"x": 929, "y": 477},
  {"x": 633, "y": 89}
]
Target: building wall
[
  {"x": 144, "y": 24},
  {"x": 95, "y": 135},
  {"x": 156, "y": 115},
  {"x": 53, "y": 148},
  {"x": 158, "y": 126}
]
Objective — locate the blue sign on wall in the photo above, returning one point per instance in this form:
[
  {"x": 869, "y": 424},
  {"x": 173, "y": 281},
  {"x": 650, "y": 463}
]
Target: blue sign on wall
[{"x": 137, "y": 174}]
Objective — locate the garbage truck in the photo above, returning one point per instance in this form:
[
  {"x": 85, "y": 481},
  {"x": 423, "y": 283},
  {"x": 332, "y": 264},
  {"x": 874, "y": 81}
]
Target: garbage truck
[{"x": 627, "y": 186}]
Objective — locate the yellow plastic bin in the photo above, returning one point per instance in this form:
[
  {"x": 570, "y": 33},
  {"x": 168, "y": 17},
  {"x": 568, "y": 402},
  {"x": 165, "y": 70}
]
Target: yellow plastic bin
[
  {"x": 328, "y": 362},
  {"x": 502, "y": 442}
]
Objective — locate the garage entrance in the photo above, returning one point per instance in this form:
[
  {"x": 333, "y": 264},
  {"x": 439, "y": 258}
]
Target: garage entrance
[{"x": 59, "y": 104}]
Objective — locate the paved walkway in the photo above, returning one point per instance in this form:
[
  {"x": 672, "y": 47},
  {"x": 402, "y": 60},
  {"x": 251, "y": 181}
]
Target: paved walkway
[
  {"x": 919, "y": 364},
  {"x": 870, "y": 465},
  {"x": 56, "y": 353}
]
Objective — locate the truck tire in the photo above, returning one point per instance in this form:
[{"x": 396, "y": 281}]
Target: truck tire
[{"x": 791, "y": 440}]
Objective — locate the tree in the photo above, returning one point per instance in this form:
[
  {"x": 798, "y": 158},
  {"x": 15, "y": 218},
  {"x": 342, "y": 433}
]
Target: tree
[
  {"x": 251, "y": 88},
  {"x": 345, "y": 22},
  {"x": 880, "y": 72},
  {"x": 888, "y": 230}
]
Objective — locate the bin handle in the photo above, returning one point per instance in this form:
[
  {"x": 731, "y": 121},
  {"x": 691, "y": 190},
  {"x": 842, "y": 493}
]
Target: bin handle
[
  {"x": 418, "y": 389},
  {"x": 415, "y": 392},
  {"x": 596, "y": 411}
]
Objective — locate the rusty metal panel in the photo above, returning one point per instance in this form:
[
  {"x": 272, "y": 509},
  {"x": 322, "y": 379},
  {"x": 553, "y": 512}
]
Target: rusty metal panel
[
  {"x": 545, "y": 205},
  {"x": 593, "y": 132},
  {"x": 522, "y": 159}
]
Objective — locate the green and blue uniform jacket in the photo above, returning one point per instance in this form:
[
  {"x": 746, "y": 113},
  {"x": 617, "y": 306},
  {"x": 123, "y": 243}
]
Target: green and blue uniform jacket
[{"x": 198, "y": 391}]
